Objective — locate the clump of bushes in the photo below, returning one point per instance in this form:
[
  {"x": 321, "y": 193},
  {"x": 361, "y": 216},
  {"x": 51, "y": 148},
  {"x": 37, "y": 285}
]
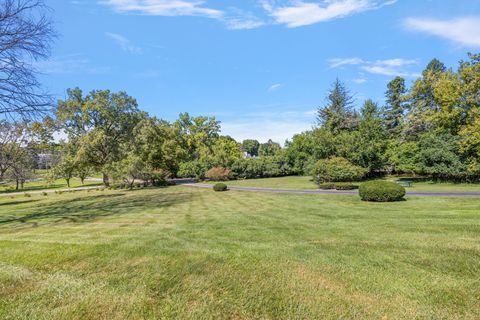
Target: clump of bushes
[
  {"x": 337, "y": 169},
  {"x": 219, "y": 187},
  {"x": 44, "y": 194},
  {"x": 381, "y": 191},
  {"x": 218, "y": 174}
]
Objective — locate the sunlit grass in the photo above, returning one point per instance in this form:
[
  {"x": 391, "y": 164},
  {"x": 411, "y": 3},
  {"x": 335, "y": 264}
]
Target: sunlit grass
[{"x": 192, "y": 253}]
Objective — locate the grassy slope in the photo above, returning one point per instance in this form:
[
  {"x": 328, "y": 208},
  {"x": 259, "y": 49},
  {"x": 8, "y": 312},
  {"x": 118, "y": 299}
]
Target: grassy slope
[
  {"x": 303, "y": 183},
  {"x": 42, "y": 184},
  {"x": 191, "y": 253}
]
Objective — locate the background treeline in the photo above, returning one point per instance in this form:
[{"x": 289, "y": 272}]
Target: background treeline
[{"x": 431, "y": 128}]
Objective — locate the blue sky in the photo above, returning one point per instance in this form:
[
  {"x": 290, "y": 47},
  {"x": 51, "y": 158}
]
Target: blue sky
[{"x": 260, "y": 66}]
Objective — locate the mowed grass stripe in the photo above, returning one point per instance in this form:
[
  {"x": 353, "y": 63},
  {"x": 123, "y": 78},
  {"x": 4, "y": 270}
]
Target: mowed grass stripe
[{"x": 191, "y": 253}]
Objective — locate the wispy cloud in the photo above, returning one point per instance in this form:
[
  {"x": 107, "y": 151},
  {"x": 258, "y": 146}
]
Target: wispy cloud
[
  {"x": 275, "y": 87},
  {"x": 387, "y": 67},
  {"x": 124, "y": 43},
  {"x": 74, "y": 63},
  {"x": 164, "y": 7},
  {"x": 338, "y": 62},
  {"x": 233, "y": 18},
  {"x": 464, "y": 30},
  {"x": 360, "y": 80},
  {"x": 301, "y": 13}
]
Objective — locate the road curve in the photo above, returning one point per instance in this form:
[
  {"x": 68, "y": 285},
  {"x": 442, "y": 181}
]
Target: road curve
[{"x": 336, "y": 192}]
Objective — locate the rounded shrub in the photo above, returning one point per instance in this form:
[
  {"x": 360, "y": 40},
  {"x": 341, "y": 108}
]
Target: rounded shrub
[
  {"x": 219, "y": 187},
  {"x": 381, "y": 191}
]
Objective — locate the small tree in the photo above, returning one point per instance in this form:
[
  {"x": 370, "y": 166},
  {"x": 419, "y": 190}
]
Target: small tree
[{"x": 65, "y": 169}]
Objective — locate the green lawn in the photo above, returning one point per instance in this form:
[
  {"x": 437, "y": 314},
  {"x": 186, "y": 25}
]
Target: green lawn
[
  {"x": 190, "y": 253},
  {"x": 43, "y": 184},
  {"x": 304, "y": 183}
]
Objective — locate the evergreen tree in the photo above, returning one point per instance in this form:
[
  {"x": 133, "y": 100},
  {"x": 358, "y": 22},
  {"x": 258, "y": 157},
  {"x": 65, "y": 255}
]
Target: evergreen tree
[
  {"x": 395, "y": 108},
  {"x": 338, "y": 114}
]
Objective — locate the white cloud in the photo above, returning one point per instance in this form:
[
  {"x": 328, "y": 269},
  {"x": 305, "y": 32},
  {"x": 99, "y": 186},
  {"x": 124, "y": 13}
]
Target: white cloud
[
  {"x": 274, "y": 87},
  {"x": 300, "y": 13},
  {"x": 241, "y": 24},
  {"x": 337, "y": 62},
  {"x": 124, "y": 43},
  {"x": 265, "y": 125},
  {"x": 391, "y": 67},
  {"x": 387, "y": 67},
  {"x": 360, "y": 80},
  {"x": 464, "y": 30},
  {"x": 163, "y": 7},
  {"x": 73, "y": 63}
]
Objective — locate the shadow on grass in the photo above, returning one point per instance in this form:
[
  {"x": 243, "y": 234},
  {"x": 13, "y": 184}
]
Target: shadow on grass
[
  {"x": 11, "y": 203},
  {"x": 87, "y": 209},
  {"x": 45, "y": 187}
]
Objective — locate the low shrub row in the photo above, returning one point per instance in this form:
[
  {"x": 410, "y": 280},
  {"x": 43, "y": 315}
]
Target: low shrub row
[
  {"x": 381, "y": 191},
  {"x": 337, "y": 186}
]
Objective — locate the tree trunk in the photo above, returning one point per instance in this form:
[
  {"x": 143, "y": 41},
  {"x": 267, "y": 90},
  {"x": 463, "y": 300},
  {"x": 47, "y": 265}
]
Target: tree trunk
[
  {"x": 17, "y": 182},
  {"x": 68, "y": 183},
  {"x": 106, "y": 181},
  {"x": 82, "y": 179}
]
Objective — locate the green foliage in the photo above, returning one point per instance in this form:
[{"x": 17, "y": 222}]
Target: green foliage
[
  {"x": 192, "y": 169},
  {"x": 270, "y": 166},
  {"x": 218, "y": 174},
  {"x": 381, "y": 191},
  {"x": 220, "y": 187},
  {"x": 251, "y": 147},
  {"x": 269, "y": 148},
  {"x": 337, "y": 169}
]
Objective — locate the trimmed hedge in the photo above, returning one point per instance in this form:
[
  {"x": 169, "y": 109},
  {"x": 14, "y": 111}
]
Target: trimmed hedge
[
  {"x": 381, "y": 191},
  {"x": 219, "y": 187},
  {"x": 345, "y": 186},
  {"x": 326, "y": 186}
]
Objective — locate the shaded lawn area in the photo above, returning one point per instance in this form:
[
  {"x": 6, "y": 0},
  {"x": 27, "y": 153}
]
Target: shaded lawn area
[
  {"x": 43, "y": 184},
  {"x": 191, "y": 253},
  {"x": 306, "y": 183}
]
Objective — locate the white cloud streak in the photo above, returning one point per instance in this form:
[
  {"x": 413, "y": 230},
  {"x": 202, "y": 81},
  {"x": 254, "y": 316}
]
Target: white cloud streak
[
  {"x": 164, "y": 8},
  {"x": 275, "y": 87},
  {"x": 124, "y": 43},
  {"x": 464, "y": 31},
  {"x": 388, "y": 67},
  {"x": 300, "y": 13}
]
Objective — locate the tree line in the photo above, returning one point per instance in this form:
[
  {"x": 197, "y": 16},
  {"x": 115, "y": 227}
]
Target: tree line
[{"x": 431, "y": 128}]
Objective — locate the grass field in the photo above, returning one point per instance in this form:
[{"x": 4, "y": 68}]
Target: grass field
[
  {"x": 190, "y": 253},
  {"x": 305, "y": 183},
  {"x": 43, "y": 184}
]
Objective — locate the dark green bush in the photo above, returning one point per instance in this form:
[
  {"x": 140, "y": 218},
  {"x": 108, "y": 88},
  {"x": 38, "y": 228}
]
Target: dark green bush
[
  {"x": 345, "y": 186},
  {"x": 219, "y": 187},
  {"x": 326, "y": 186},
  {"x": 381, "y": 191}
]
